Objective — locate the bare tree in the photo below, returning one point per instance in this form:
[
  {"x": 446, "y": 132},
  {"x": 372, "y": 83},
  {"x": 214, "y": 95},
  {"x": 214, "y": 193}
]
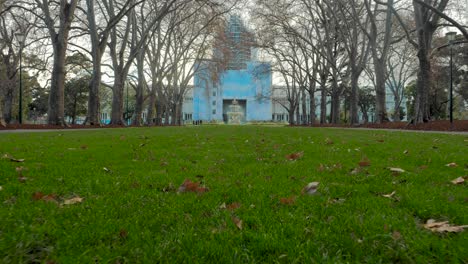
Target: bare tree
[
  {"x": 110, "y": 13},
  {"x": 125, "y": 46},
  {"x": 57, "y": 17}
]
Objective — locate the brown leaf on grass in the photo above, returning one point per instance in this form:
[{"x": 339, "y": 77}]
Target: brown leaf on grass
[
  {"x": 458, "y": 180},
  {"x": 44, "y": 197},
  {"x": 123, "y": 233},
  {"x": 390, "y": 195},
  {"x": 233, "y": 206},
  {"x": 295, "y": 156},
  {"x": 106, "y": 169},
  {"x": 37, "y": 196},
  {"x": 84, "y": 147},
  {"x": 311, "y": 188},
  {"x": 406, "y": 152},
  {"x": 288, "y": 200},
  {"x": 321, "y": 167},
  {"x": 442, "y": 227},
  {"x": 328, "y": 141},
  {"x": 1, "y": 188},
  {"x": 365, "y": 162},
  {"x": 74, "y": 200},
  {"x": 380, "y": 140},
  {"x": 452, "y": 165},
  {"x": 423, "y": 167},
  {"x": 396, "y": 235},
  {"x": 190, "y": 186},
  {"x": 17, "y": 160},
  {"x": 237, "y": 222}
]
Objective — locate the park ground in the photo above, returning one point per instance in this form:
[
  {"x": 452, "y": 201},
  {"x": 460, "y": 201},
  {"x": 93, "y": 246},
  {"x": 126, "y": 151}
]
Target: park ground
[{"x": 231, "y": 194}]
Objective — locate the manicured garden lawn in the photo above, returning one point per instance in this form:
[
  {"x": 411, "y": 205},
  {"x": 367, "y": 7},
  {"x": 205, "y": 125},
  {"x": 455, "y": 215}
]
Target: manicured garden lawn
[{"x": 254, "y": 210}]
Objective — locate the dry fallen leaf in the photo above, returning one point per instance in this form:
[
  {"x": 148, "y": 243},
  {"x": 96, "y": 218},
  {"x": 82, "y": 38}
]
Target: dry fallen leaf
[
  {"x": 288, "y": 200},
  {"x": 222, "y": 206},
  {"x": 45, "y": 197},
  {"x": 123, "y": 233},
  {"x": 458, "y": 180},
  {"x": 396, "y": 235},
  {"x": 397, "y": 170},
  {"x": 442, "y": 227},
  {"x": 237, "y": 222},
  {"x": 311, "y": 188},
  {"x": 389, "y": 195},
  {"x": 295, "y": 156},
  {"x": 364, "y": 162},
  {"x": 405, "y": 152},
  {"x": 233, "y": 206},
  {"x": 1, "y": 188},
  {"x": 189, "y": 186},
  {"x": 453, "y": 164},
  {"x": 328, "y": 141},
  {"x": 74, "y": 200}
]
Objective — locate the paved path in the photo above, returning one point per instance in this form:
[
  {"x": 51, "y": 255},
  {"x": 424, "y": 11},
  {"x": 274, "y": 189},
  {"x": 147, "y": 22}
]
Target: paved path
[
  {"x": 350, "y": 128},
  {"x": 46, "y": 130},
  {"x": 404, "y": 130}
]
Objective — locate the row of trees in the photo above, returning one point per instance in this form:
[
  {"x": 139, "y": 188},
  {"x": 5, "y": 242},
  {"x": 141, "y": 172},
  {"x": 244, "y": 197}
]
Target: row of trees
[
  {"x": 151, "y": 45},
  {"x": 340, "y": 47}
]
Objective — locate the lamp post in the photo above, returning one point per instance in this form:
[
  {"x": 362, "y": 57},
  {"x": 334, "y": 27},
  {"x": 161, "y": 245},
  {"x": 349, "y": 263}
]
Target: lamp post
[
  {"x": 451, "y": 37},
  {"x": 20, "y": 39}
]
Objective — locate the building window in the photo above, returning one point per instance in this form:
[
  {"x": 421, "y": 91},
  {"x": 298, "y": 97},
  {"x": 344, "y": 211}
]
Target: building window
[
  {"x": 214, "y": 93},
  {"x": 214, "y": 111},
  {"x": 214, "y": 102}
]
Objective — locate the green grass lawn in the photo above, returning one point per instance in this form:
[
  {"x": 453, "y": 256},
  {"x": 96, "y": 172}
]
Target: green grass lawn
[{"x": 132, "y": 213}]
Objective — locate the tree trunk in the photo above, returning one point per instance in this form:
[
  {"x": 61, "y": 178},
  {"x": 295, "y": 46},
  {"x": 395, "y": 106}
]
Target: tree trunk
[
  {"x": 396, "y": 111},
  {"x": 179, "y": 113},
  {"x": 56, "y": 111},
  {"x": 353, "y": 102},
  {"x": 93, "y": 98},
  {"x": 140, "y": 88},
  {"x": 312, "y": 107},
  {"x": 335, "y": 105},
  {"x": 305, "y": 120},
  {"x": 291, "y": 113},
  {"x": 323, "y": 105},
  {"x": 365, "y": 117},
  {"x": 151, "y": 109},
  {"x": 2, "y": 120},
  {"x": 423, "y": 83},
  {"x": 159, "y": 112},
  {"x": 93, "y": 117},
  {"x": 380, "y": 93},
  {"x": 167, "y": 115},
  {"x": 8, "y": 105},
  {"x": 117, "y": 101}
]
